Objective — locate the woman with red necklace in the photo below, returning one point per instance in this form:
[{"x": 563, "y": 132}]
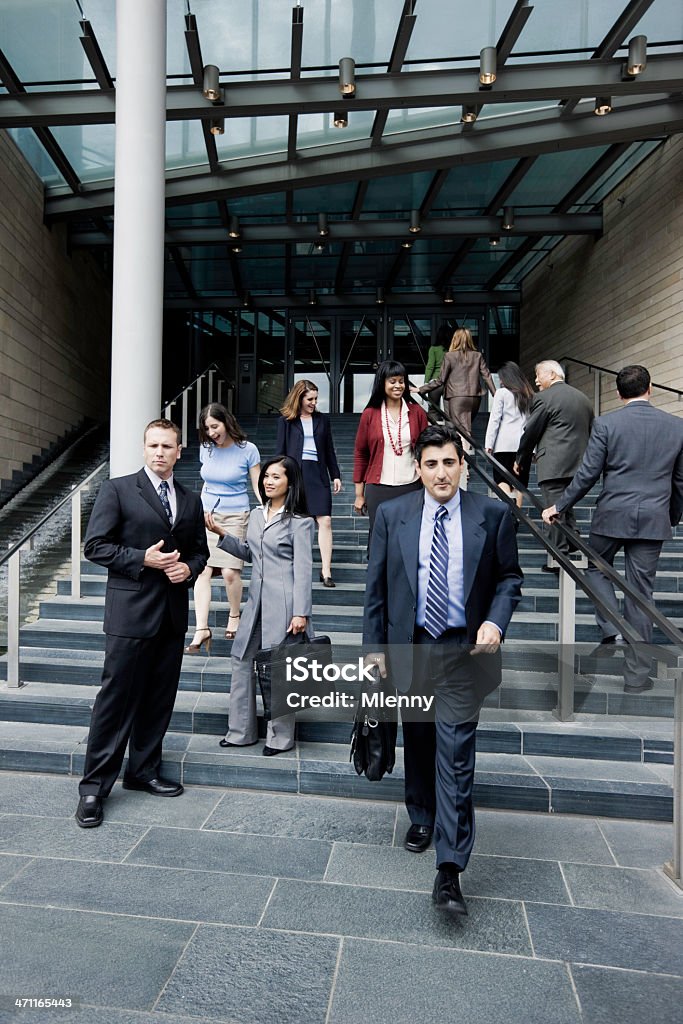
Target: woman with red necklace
[{"x": 383, "y": 463}]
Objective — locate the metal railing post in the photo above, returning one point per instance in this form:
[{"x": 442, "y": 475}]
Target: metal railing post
[
  {"x": 199, "y": 399},
  {"x": 13, "y": 618},
  {"x": 673, "y": 867},
  {"x": 76, "y": 543},
  {"x": 209, "y": 397},
  {"x": 167, "y": 410},
  {"x": 220, "y": 392},
  {"x": 183, "y": 425},
  {"x": 564, "y": 711}
]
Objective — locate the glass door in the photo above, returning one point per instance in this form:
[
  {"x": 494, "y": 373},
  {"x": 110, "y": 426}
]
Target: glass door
[
  {"x": 312, "y": 346},
  {"x": 358, "y": 350}
]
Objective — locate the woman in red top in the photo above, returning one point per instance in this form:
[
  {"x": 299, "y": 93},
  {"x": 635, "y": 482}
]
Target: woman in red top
[{"x": 383, "y": 463}]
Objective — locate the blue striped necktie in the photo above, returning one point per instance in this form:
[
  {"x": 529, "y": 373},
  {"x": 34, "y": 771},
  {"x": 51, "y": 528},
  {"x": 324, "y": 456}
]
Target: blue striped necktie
[
  {"x": 436, "y": 606},
  {"x": 163, "y": 494}
]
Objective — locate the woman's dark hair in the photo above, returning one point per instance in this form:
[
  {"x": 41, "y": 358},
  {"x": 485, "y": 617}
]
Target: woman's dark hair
[
  {"x": 444, "y": 335},
  {"x": 512, "y": 378},
  {"x": 389, "y": 368},
  {"x": 295, "y": 498},
  {"x": 218, "y": 412}
]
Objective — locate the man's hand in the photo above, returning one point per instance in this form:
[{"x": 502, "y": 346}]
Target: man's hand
[
  {"x": 549, "y": 514},
  {"x": 154, "y": 559},
  {"x": 377, "y": 660},
  {"x": 488, "y": 639},
  {"x": 179, "y": 572},
  {"x": 515, "y": 468},
  {"x": 298, "y": 624}
]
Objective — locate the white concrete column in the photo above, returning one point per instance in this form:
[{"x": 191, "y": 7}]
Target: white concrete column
[{"x": 138, "y": 227}]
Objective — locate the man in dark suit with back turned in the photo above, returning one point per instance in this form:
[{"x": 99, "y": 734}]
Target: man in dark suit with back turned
[
  {"x": 149, "y": 532},
  {"x": 559, "y": 425},
  {"x": 638, "y": 451},
  {"x": 443, "y": 576}
]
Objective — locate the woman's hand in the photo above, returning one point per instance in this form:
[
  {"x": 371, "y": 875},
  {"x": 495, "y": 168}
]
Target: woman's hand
[
  {"x": 413, "y": 390},
  {"x": 359, "y": 506},
  {"x": 212, "y": 525},
  {"x": 298, "y": 624},
  {"x": 336, "y": 486}
]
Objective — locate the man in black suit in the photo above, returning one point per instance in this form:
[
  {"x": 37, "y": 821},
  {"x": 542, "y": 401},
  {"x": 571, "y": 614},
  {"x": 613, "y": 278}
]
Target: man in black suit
[
  {"x": 559, "y": 424},
  {"x": 443, "y": 574},
  {"x": 638, "y": 451},
  {"x": 149, "y": 532}
]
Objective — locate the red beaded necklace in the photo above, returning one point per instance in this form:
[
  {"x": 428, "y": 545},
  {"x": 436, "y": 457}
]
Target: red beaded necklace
[{"x": 397, "y": 446}]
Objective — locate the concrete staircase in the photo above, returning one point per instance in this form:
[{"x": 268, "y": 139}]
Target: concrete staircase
[{"x": 614, "y": 759}]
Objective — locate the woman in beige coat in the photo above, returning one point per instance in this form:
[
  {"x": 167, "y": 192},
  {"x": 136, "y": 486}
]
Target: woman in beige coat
[{"x": 462, "y": 371}]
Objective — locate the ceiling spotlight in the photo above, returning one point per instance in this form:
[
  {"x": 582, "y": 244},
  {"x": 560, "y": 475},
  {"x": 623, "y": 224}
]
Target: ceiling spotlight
[
  {"x": 312, "y": 297},
  {"x": 407, "y": 244},
  {"x": 494, "y": 240},
  {"x": 380, "y": 297},
  {"x": 508, "y": 221},
  {"x": 234, "y": 227},
  {"x": 217, "y": 126},
  {"x": 340, "y": 119},
  {"x": 414, "y": 222},
  {"x": 323, "y": 229},
  {"x": 448, "y": 296},
  {"x": 347, "y": 76},
  {"x": 210, "y": 85},
  {"x": 235, "y": 248},
  {"x": 246, "y": 299},
  {"x": 469, "y": 115},
  {"x": 603, "y": 105},
  {"x": 637, "y": 56},
  {"x": 487, "y": 65}
]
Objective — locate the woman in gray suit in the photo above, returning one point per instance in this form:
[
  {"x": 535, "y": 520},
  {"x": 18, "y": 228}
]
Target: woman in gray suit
[{"x": 280, "y": 546}]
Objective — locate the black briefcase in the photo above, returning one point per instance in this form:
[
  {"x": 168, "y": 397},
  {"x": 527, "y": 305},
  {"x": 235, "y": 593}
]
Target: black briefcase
[
  {"x": 274, "y": 659},
  {"x": 373, "y": 738}
]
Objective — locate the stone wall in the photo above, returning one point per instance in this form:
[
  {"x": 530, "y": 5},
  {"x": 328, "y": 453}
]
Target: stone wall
[
  {"x": 618, "y": 299},
  {"x": 55, "y": 323}
]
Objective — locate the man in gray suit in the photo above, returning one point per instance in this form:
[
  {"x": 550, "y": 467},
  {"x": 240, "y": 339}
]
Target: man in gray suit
[
  {"x": 639, "y": 452},
  {"x": 559, "y": 424}
]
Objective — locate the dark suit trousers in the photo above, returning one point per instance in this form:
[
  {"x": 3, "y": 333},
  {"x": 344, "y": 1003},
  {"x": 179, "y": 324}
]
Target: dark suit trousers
[
  {"x": 551, "y": 491},
  {"x": 439, "y": 759},
  {"x": 640, "y": 565},
  {"x": 134, "y": 706}
]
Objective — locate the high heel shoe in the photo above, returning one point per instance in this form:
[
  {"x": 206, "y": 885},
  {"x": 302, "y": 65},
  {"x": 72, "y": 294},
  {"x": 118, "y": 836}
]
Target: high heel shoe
[
  {"x": 194, "y": 648},
  {"x": 231, "y": 633},
  {"x": 327, "y": 581}
]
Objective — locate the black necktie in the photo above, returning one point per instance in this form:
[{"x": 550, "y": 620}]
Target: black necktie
[{"x": 163, "y": 495}]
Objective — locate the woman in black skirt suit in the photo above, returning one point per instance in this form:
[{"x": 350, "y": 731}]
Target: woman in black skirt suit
[{"x": 305, "y": 435}]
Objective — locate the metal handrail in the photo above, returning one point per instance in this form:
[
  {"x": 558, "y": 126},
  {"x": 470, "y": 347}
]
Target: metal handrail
[
  {"x": 613, "y": 373},
  {"x": 188, "y": 387}
]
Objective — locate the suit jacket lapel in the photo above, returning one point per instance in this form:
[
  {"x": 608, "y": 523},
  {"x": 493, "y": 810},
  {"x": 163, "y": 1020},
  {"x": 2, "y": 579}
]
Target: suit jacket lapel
[
  {"x": 473, "y": 538},
  {"x": 180, "y": 501},
  {"x": 151, "y": 497},
  {"x": 409, "y": 539}
]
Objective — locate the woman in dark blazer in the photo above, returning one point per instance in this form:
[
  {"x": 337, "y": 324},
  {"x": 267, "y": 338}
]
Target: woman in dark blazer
[{"x": 305, "y": 435}]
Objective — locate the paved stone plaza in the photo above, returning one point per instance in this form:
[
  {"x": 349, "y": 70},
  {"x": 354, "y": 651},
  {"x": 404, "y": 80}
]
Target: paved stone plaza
[{"x": 250, "y": 907}]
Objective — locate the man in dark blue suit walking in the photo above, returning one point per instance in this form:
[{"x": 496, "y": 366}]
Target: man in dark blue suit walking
[
  {"x": 443, "y": 581},
  {"x": 638, "y": 451}
]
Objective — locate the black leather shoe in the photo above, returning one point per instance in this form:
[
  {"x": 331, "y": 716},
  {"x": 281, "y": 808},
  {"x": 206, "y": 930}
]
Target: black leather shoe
[
  {"x": 156, "y": 786},
  {"x": 227, "y": 743},
  {"x": 642, "y": 688},
  {"x": 272, "y": 751},
  {"x": 89, "y": 813},
  {"x": 327, "y": 581},
  {"x": 447, "y": 894},
  {"x": 418, "y": 838},
  {"x": 615, "y": 640},
  {"x": 555, "y": 569}
]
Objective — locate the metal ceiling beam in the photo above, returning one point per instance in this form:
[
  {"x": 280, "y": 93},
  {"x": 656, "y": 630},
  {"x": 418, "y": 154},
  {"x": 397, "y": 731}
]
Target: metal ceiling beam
[
  {"x": 183, "y": 272},
  {"x": 397, "y": 301},
  {"x": 398, "y": 55},
  {"x": 515, "y": 84},
  {"x": 627, "y": 20},
  {"x": 358, "y": 201},
  {"x": 194, "y": 53},
  {"x": 15, "y": 89},
  {"x": 371, "y": 230},
  {"x": 572, "y": 197},
  {"x": 541, "y": 132},
  {"x": 95, "y": 56},
  {"x": 295, "y": 73},
  {"x": 513, "y": 30}
]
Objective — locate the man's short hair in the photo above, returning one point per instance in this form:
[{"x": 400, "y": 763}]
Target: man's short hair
[
  {"x": 553, "y": 366},
  {"x": 164, "y": 425},
  {"x": 633, "y": 381},
  {"x": 437, "y": 437}
]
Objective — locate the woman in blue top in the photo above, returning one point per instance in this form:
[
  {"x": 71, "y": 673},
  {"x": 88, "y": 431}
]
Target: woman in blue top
[{"x": 228, "y": 463}]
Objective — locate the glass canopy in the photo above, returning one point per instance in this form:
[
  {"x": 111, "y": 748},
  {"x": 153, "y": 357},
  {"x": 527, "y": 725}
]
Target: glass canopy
[{"x": 423, "y": 138}]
